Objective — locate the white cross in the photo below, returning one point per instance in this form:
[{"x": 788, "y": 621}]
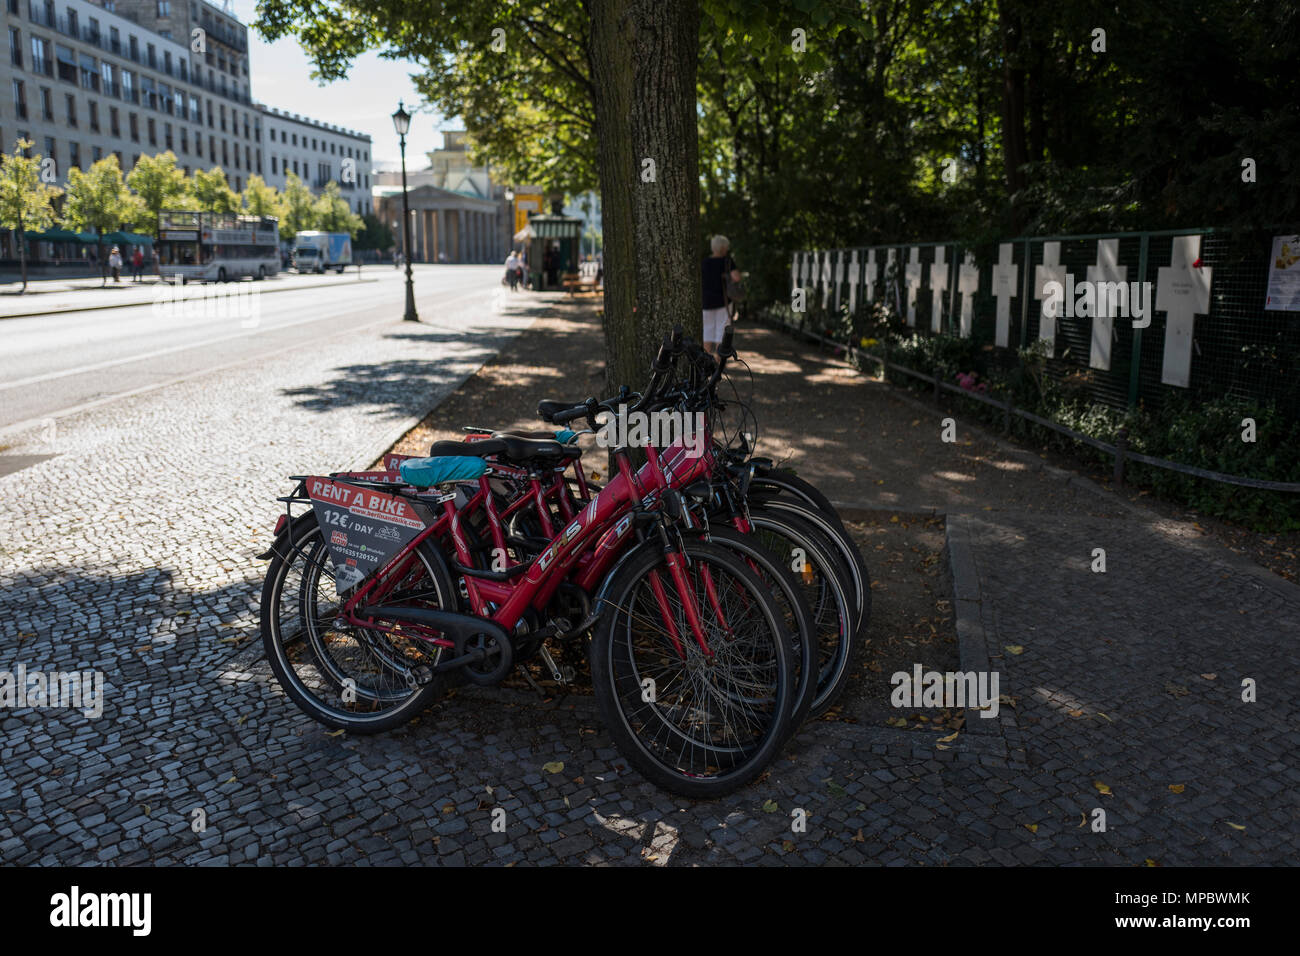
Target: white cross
[
  {"x": 913, "y": 273},
  {"x": 938, "y": 286},
  {"x": 1181, "y": 293},
  {"x": 871, "y": 272},
  {"x": 826, "y": 278},
  {"x": 1050, "y": 271},
  {"x": 839, "y": 276},
  {"x": 1005, "y": 276},
  {"x": 968, "y": 283},
  {"x": 1107, "y": 269},
  {"x": 854, "y": 278}
]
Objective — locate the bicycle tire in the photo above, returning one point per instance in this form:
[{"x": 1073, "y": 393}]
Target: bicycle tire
[{"x": 618, "y": 670}]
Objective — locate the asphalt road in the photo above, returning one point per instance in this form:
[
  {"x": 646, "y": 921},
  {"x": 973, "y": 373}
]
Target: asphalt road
[{"x": 52, "y": 365}]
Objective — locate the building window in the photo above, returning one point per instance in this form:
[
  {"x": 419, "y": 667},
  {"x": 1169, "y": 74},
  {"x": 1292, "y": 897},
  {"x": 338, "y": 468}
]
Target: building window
[
  {"x": 89, "y": 72},
  {"x": 151, "y": 54},
  {"x": 167, "y": 135},
  {"x": 106, "y": 74},
  {"x": 114, "y": 127},
  {"x": 275, "y": 171},
  {"x": 47, "y": 105},
  {"x": 94, "y": 116},
  {"x": 41, "y": 56},
  {"x": 222, "y": 109},
  {"x": 128, "y": 86},
  {"x": 185, "y": 140},
  {"x": 133, "y": 48},
  {"x": 15, "y": 47},
  {"x": 96, "y": 154},
  {"x": 72, "y": 109},
  {"x": 74, "y": 155},
  {"x": 133, "y": 123},
  {"x": 153, "y": 131},
  {"x": 164, "y": 8},
  {"x": 50, "y": 151}
]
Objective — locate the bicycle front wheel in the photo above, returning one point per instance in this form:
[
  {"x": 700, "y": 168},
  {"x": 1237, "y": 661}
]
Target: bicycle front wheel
[{"x": 697, "y": 722}]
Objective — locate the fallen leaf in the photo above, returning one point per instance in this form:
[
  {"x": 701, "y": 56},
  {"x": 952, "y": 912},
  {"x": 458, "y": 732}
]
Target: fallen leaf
[
  {"x": 1076, "y": 713},
  {"x": 835, "y": 790},
  {"x": 1016, "y": 649},
  {"x": 770, "y": 806},
  {"x": 788, "y": 846},
  {"x": 1102, "y": 788},
  {"x": 1235, "y": 826},
  {"x": 951, "y": 737},
  {"x": 336, "y": 733},
  {"x": 1151, "y": 862},
  {"x": 893, "y": 519},
  {"x": 1031, "y": 827},
  {"x": 1209, "y": 676},
  {"x": 1100, "y": 714},
  {"x": 555, "y": 766},
  {"x": 1083, "y": 820},
  {"x": 858, "y": 837},
  {"x": 1177, "y": 787},
  {"x": 896, "y": 722}
]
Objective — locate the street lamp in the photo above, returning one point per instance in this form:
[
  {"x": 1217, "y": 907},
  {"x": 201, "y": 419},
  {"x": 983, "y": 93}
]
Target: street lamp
[{"x": 402, "y": 124}]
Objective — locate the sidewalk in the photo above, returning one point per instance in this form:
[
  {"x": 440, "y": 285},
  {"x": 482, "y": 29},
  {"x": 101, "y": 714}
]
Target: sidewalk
[{"x": 1122, "y": 690}]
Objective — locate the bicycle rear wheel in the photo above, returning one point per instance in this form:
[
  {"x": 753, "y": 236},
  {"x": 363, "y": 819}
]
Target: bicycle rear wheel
[
  {"x": 358, "y": 679},
  {"x": 695, "y": 723}
]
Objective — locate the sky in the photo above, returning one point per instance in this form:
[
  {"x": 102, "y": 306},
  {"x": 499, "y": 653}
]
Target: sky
[{"x": 280, "y": 75}]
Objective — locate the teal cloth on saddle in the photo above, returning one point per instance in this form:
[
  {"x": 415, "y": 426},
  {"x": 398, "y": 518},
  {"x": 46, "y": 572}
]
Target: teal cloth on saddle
[
  {"x": 424, "y": 472},
  {"x": 565, "y": 435}
]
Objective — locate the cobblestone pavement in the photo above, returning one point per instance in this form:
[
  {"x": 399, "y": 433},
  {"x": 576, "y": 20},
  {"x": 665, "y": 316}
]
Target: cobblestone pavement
[{"x": 130, "y": 552}]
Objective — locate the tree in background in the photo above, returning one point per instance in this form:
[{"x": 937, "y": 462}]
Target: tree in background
[
  {"x": 211, "y": 191},
  {"x": 375, "y": 233},
  {"x": 25, "y": 201},
  {"x": 98, "y": 201},
  {"x": 259, "y": 199},
  {"x": 333, "y": 214},
  {"x": 159, "y": 185},
  {"x": 297, "y": 208}
]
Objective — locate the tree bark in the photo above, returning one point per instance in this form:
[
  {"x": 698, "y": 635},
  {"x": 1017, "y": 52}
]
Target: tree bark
[{"x": 644, "y": 57}]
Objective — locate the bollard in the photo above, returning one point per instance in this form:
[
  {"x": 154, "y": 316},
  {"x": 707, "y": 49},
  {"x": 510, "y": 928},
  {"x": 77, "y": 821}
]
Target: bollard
[{"x": 1121, "y": 445}]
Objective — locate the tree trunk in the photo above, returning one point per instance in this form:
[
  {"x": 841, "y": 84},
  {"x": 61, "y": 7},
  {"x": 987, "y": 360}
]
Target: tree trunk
[
  {"x": 21, "y": 236},
  {"x": 643, "y": 65}
]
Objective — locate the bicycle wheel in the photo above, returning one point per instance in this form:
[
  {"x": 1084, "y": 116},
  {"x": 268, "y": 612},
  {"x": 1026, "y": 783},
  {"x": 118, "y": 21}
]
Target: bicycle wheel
[
  {"x": 831, "y": 526},
  {"x": 358, "y": 679},
  {"x": 697, "y": 725},
  {"x": 799, "y": 620},
  {"x": 796, "y": 543}
]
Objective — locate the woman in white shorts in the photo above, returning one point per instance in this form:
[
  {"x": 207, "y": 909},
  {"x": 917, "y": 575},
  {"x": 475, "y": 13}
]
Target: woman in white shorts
[{"x": 714, "y": 271}]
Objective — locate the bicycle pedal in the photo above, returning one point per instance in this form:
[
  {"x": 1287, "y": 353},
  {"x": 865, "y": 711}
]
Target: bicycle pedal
[
  {"x": 557, "y": 675},
  {"x": 419, "y": 676}
]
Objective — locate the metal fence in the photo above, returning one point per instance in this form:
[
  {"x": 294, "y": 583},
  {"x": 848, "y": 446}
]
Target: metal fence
[{"x": 1207, "y": 332}]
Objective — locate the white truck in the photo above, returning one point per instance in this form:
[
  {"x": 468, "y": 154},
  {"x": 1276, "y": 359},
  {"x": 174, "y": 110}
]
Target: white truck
[{"x": 317, "y": 251}]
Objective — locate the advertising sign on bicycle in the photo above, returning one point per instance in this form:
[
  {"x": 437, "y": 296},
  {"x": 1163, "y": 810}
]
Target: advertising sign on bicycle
[{"x": 366, "y": 527}]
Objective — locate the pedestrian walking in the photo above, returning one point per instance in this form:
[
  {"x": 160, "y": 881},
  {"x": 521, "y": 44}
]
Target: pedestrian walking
[
  {"x": 721, "y": 290},
  {"x": 115, "y": 264},
  {"x": 137, "y": 265},
  {"x": 514, "y": 270}
]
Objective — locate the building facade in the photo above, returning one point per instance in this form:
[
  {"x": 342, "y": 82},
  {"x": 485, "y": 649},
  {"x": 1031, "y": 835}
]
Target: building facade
[{"x": 317, "y": 153}]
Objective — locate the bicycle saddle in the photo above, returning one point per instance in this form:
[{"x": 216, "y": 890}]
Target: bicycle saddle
[{"x": 506, "y": 446}]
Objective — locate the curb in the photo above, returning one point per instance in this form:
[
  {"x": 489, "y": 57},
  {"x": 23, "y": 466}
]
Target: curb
[{"x": 129, "y": 305}]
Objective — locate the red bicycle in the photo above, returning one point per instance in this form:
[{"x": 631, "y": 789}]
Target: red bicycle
[{"x": 377, "y": 595}]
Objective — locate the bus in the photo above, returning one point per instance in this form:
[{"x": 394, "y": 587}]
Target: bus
[{"x": 217, "y": 247}]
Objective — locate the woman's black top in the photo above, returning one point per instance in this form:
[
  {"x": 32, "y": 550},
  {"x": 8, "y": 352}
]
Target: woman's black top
[{"x": 714, "y": 272}]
